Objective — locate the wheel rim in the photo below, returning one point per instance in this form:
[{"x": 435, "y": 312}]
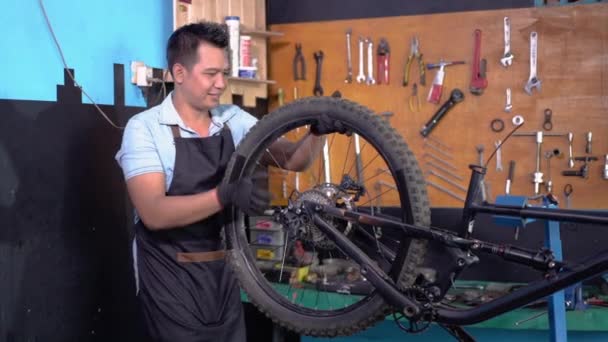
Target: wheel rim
[{"x": 324, "y": 297}]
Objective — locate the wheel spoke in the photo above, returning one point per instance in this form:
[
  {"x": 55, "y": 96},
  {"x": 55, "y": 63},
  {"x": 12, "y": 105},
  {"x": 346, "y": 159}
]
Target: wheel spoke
[
  {"x": 370, "y": 200},
  {"x": 346, "y": 154},
  {"x": 281, "y": 282}
]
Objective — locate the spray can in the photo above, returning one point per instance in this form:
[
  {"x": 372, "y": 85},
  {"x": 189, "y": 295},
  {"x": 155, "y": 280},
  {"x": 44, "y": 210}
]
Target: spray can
[
  {"x": 245, "y": 51},
  {"x": 233, "y": 23}
]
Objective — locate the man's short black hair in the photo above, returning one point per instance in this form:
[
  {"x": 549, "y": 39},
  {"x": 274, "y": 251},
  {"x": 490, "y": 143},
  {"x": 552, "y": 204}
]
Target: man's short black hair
[{"x": 184, "y": 42}]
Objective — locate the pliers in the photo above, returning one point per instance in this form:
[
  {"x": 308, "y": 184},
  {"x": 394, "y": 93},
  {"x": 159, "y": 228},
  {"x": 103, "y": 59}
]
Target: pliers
[
  {"x": 299, "y": 59},
  {"x": 383, "y": 59},
  {"x": 414, "y": 53}
]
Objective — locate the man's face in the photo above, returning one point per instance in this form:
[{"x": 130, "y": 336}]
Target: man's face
[{"x": 205, "y": 82}]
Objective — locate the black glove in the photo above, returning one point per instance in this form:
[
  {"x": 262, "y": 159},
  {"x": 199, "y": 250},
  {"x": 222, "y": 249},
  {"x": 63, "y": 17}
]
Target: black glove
[
  {"x": 326, "y": 125},
  {"x": 245, "y": 194}
]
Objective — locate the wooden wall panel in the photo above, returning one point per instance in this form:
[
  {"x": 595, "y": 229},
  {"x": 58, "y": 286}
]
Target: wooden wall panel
[
  {"x": 573, "y": 68},
  {"x": 252, "y": 15}
]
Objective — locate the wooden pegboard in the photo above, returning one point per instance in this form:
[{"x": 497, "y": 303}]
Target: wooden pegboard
[{"x": 572, "y": 65}]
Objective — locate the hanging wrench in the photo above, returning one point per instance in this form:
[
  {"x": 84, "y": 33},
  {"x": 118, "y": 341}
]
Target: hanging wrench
[
  {"x": 507, "y": 59},
  {"x": 508, "y": 105},
  {"x": 456, "y": 96},
  {"x": 349, "y": 64},
  {"x": 370, "y": 62},
  {"x": 570, "y": 156},
  {"x": 478, "y": 81},
  {"x": 533, "y": 81},
  {"x": 361, "y": 76},
  {"x": 498, "y": 155},
  {"x": 318, "y": 90}
]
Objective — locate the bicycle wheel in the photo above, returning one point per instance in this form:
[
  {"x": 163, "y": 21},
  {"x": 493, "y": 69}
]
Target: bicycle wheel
[{"x": 318, "y": 304}]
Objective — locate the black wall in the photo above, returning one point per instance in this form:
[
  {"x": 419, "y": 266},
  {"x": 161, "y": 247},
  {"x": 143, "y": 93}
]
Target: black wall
[
  {"x": 290, "y": 11},
  {"x": 66, "y": 268},
  {"x": 65, "y": 264}
]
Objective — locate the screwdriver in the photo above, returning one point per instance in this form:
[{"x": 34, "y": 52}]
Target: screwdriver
[
  {"x": 588, "y": 146},
  {"x": 510, "y": 177}
]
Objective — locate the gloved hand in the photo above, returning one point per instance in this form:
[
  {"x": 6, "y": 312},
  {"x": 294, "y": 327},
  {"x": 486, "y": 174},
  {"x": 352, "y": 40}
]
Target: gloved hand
[
  {"x": 245, "y": 194},
  {"x": 326, "y": 125}
]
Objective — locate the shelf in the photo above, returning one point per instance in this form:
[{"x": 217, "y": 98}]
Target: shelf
[
  {"x": 261, "y": 33},
  {"x": 169, "y": 79},
  {"x": 251, "y": 80}
]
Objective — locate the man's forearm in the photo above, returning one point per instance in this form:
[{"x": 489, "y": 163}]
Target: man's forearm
[
  {"x": 305, "y": 152},
  {"x": 177, "y": 211}
]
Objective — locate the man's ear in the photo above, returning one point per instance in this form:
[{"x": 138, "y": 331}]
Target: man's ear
[{"x": 179, "y": 72}]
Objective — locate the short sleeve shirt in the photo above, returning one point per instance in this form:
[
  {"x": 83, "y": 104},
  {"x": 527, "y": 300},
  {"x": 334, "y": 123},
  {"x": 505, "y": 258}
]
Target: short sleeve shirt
[{"x": 147, "y": 142}]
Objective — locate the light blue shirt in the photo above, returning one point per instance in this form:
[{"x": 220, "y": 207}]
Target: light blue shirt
[{"x": 147, "y": 142}]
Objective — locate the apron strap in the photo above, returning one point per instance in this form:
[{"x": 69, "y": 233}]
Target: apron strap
[
  {"x": 201, "y": 256},
  {"x": 175, "y": 130}
]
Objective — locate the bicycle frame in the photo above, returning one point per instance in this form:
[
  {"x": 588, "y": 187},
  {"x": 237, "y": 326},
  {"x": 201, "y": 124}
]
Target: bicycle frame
[{"x": 559, "y": 274}]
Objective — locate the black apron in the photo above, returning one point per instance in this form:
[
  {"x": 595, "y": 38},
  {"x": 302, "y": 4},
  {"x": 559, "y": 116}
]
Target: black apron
[{"x": 187, "y": 291}]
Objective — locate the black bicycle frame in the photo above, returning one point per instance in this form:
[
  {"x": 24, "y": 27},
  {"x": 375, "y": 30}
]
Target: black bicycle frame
[{"x": 559, "y": 275}]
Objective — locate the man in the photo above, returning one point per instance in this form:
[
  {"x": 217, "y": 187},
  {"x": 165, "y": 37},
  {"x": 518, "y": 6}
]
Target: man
[{"x": 173, "y": 158}]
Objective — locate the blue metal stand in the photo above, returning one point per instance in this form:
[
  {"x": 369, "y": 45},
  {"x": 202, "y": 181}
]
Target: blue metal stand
[{"x": 557, "y": 302}]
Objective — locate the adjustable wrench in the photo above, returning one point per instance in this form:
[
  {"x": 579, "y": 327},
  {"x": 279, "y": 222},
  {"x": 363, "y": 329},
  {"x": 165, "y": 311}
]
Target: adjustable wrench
[
  {"x": 478, "y": 81},
  {"x": 370, "y": 62},
  {"x": 361, "y": 76},
  {"x": 507, "y": 58},
  {"x": 318, "y": 90},
  {"x": 533, "y": 81},
  {"x": 349, "y": 64}
]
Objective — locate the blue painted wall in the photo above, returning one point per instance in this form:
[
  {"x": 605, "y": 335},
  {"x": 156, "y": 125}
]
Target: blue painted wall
[{"x": 93, "y": 35}]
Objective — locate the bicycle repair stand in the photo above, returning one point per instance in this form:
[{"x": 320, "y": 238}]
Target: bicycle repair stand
[{"x": 557, "y": 301}]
